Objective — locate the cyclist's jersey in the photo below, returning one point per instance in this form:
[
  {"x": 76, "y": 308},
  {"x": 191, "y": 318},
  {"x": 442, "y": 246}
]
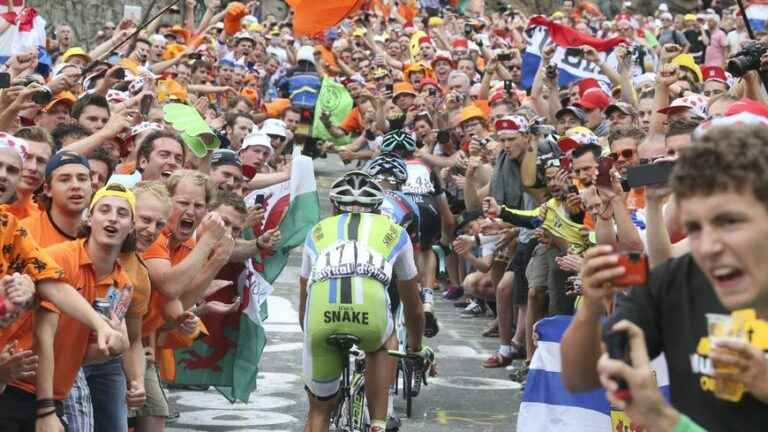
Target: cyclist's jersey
[
  {"x": 421, "y": 180},
  {"x": 349, "y": 261},
  {"x": 404, "y": 211},
  {"x": 425, "y": 188}
]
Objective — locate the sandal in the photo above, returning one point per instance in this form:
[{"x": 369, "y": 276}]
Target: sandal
[
  {"x": 496, "y": 360},
  {"x": 518, "y": 351},
  {"x": 492, "y": 330}
]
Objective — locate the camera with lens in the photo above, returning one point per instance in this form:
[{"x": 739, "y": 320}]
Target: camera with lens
[
  {"x": 551, "y": 71},
  {"x": 747, "y": 59},
  {"x": 42, "y": 95},
  {"x": 540, "y": 128}
]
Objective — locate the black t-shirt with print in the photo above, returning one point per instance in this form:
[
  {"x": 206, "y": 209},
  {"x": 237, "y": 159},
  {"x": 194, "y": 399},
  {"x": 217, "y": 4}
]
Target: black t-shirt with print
[{"x": 671, "y": 309}]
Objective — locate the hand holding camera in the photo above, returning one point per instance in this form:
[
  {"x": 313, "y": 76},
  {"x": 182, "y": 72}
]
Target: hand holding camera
[
  {"x": 625, "y": 372},
  {"x": 603, "y": 269}
]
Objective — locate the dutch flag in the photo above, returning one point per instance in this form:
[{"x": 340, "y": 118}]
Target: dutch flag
[{"x": 548, "y": 406}]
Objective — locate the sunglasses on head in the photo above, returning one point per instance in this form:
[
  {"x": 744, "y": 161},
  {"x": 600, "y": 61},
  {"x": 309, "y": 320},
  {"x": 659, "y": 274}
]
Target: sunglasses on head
[{"x": 626, "y": 154}]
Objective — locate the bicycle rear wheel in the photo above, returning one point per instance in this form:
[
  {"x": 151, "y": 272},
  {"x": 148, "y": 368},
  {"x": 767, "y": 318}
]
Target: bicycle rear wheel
[{"x": 407, "y": 389}]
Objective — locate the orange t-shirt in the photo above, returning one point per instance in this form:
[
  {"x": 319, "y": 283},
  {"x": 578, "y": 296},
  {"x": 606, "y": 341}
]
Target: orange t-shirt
[
  {"x": 43, "y": 229},
  {"x": 23, "y": 208},
  {"x": 21, "y": 253},
  {"x": 72, "y": 337},
  {"x": 353, "y": 122},
  {"x": 636, "y": 199},
  {"x": 138, "y": 273}
]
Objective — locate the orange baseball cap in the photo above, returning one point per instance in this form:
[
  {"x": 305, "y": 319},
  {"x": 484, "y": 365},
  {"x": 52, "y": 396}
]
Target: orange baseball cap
[
  {"x": 402, "y": 88},
  {"x": 63, "y": 96}
]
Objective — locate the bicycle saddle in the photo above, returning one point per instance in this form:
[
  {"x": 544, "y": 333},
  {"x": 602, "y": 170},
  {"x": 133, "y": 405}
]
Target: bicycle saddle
[{"x": 343, "y": 342}]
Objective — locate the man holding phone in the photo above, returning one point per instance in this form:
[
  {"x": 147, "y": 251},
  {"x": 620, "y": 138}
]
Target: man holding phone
[{"x": 724, "y": 272}]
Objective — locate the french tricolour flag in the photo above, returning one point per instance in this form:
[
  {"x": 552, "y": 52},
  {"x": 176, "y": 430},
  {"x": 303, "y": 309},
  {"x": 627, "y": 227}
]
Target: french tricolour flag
[
  {"x": 26, "y": 31},
  {"x": 757, "y": 14},
  {"x": 548, "y": 406},
  {"x": 571, "y": 66}
]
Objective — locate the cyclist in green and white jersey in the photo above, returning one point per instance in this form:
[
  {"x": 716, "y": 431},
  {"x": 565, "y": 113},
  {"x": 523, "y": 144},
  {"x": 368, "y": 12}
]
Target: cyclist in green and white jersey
[{"x": 347, "y": 263}]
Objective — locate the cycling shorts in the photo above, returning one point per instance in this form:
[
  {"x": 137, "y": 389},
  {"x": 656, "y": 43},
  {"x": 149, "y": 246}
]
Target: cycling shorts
[
  {"x": 356, "y": 306},
  {"x": 430, "y": 228}
]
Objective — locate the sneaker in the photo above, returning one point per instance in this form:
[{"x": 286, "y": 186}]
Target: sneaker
[
  {"x": 431, "y": 327},
  {"x": 453, "y": 293},
  {"x": 393, "y": 423},
  {"x": 473, "y": 309},
  {"x": 461, "y": 303}
]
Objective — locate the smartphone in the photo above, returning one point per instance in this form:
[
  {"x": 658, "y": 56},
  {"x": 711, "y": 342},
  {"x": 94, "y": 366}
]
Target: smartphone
[
  {"x": 617, "y": 344},
  {"x": 444, "y": 136},
  {"x": 260, "y": 200},
  {"x": 146, "y": 104},
  {"x": 5, "y": 80},
  {"x": 508, "y": 86},
  {"x": 604, "y": 171},
  {"x": 504, "y": 57},
  {"x": 467, "y": 29},
  {"x": 389, "y": 88},
  {"x": 636, "y": 266},
  {"x": 195, "y": 56},
  {"x": 132, "y": 13},
  {"x": 573, "y": 190},
  {"x": 432, "y": 91},
  {"x": 655, "y": 174}
]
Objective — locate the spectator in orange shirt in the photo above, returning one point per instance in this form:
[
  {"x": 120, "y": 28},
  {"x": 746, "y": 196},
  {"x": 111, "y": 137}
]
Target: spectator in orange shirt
[
  {"x": 39, "y": 151},
  {"x": 90, "y": 265}
]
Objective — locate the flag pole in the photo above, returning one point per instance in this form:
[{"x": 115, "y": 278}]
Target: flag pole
[
  {"x": 140, "y": 28},
  {"x": 743, "y": 12}
]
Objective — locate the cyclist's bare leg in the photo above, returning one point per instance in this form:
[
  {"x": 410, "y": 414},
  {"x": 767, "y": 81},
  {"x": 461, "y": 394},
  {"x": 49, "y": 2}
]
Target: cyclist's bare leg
[
  {"x": 427, "y": 266},
  {"x": 379, "y": 373},
  {"x": 319, "y": 418}
]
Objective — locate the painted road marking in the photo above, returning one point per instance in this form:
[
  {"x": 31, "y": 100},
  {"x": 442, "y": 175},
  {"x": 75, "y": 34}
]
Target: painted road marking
[
  {"x": 475, "y": 383},
  {"x": 473, "y": 417}
]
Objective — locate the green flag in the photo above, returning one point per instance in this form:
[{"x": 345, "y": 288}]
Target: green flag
[{"x": 335, "y": 99}]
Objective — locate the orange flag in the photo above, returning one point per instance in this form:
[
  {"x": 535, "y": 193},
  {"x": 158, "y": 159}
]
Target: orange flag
[{"x": 311, "y": 17}]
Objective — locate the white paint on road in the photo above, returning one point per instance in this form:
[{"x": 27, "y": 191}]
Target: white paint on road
[
  {"x": 294, "y": 346},
  {"x": 474, "y": 383},
  {"x": 281, "y": 311},
  {"x": 213, "y": 400},
  {"x": 460, "y": 351}
]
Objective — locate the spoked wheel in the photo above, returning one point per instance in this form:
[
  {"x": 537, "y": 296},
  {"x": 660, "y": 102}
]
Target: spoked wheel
[{"x": 407, "y": 387}]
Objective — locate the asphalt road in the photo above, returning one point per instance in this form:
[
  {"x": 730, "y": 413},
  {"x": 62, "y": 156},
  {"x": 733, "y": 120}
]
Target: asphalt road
[{"x": 463, "y": 397}]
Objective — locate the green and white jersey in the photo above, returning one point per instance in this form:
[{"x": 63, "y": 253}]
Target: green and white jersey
[{"x": 357, "y": 245}]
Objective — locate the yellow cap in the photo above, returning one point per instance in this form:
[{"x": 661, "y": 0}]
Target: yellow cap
[
  {"x": 471, "y": 112},
  {"x": 170, "y": 89},
  {"x": 115, "y": 190},
  {"x": 686, "y": 61},
  {"x": 76, "y": 51},
  {"x": 435, "y": 21},
  {"x": 557, "y": 15},
  {"x": 359, "y": 32},
  {"x": 689, "y": 17}
]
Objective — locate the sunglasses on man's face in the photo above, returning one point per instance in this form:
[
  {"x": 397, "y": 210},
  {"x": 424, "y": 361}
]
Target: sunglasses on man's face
[{"x": 626, "y": 154}]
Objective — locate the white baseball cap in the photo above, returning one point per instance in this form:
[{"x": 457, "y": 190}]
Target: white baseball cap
[
  {"x": 274, "y": 126},
  {"x": 257, "y": 138}
]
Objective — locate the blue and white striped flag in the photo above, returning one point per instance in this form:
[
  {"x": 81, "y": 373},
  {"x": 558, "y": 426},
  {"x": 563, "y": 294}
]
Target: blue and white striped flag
[
  {"x": 570, "y": 67},
  {"x": 757, "y": 14},
  {"x": 548, "y": 406}
]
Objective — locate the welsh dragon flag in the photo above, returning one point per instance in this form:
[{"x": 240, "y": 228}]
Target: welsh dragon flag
[{"x": 229, "y": 357}]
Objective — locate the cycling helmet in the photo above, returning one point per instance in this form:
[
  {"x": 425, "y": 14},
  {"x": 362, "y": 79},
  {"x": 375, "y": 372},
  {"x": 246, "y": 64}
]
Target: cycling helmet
[
  {"x": 390, "y": 167},
  {"x": 356, "y": 189},
  {"x": 398, "y": 139}
]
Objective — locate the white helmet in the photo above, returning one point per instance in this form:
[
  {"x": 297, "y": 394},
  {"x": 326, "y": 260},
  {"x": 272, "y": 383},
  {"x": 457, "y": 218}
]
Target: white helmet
[
  {"x": 274, "y": 126},
  {"x": 356, "y": 189},
  {"x": 307, "y": 53}
]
